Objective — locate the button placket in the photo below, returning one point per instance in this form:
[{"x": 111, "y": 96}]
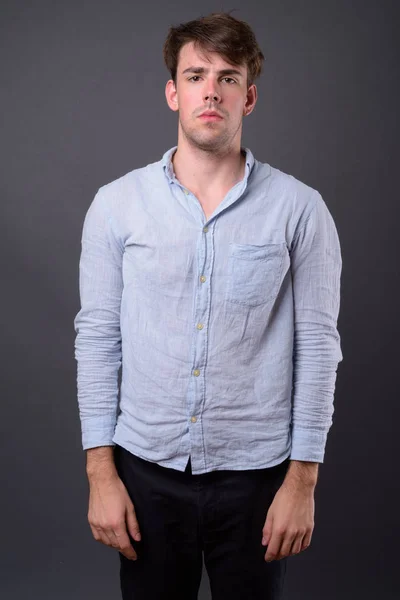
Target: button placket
[{"x": 201, "y": 312}]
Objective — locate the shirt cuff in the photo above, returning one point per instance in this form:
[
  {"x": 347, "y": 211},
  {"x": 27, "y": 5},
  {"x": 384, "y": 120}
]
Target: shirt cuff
[
  {"x": 308, "y": 445},
  {"x": 94, "y": 438}
]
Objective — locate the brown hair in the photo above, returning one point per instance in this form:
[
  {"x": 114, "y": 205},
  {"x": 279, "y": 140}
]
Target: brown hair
[{"x": 218, "y": 32}]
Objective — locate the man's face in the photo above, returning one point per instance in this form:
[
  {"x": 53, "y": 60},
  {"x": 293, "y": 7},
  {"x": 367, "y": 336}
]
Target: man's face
[{"x": 208, "y": 82}]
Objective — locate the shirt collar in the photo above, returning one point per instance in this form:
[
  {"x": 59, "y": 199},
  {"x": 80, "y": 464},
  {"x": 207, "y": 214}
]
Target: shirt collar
[{"x": 169, "y": 171}]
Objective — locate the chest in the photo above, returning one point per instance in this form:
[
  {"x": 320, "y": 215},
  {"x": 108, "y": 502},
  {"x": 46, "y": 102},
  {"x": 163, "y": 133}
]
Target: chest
[{"x": 209, "y": 205}]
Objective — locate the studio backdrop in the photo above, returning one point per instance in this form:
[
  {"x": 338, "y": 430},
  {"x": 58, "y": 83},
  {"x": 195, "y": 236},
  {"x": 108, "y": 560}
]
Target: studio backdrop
[{"x": 82, "y": 103}]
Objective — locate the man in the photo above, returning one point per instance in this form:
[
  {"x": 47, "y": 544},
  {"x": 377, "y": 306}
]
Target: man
[{"x": 215, "y": 280}]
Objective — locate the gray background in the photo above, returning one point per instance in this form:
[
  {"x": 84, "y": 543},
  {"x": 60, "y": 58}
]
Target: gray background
[{"x": 82, "y": 101}]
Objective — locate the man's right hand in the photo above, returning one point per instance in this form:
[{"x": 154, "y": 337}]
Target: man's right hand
[{"x": 111, "y": 513}]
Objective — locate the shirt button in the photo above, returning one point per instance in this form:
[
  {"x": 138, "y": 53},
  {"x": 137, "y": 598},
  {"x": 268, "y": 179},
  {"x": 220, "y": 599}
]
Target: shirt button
[
  {"x": 202, "y": 278},
  {"x": 193, "y": 419},
  {"x": 196, "y": 372},
  {"x": 186, "y": 192},
  {"x": 200, "y": 325},
  {"x": 205, "y": 229}
]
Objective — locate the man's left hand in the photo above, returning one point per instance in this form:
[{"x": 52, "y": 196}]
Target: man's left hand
[{"x": 290, "y": 521}]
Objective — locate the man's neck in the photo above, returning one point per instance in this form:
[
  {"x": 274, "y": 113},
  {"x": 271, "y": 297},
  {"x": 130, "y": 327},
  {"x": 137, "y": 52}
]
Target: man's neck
[{"x": 201, "y": 171}]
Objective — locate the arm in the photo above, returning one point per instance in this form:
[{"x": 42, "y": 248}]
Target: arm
[
  {"x": 316, "y": 269},
  {"x": 98, "y": 340},
  {"x": 111, "y": 513}
]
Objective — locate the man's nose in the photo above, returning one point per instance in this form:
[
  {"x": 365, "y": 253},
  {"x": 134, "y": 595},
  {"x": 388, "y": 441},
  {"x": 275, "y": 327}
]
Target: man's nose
[{"x": 212, "y": 95}]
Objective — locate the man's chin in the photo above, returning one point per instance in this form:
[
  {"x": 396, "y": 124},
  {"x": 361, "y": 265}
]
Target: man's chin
[{"x": 207, "y": 142}]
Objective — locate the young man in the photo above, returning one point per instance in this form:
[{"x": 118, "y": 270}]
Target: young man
[{"x": 215, "y": 280}]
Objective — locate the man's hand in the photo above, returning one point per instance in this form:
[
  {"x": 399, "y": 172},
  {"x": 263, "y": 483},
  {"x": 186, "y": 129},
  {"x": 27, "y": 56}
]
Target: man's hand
[
  {"x": 290, "y": 520},
  {"x": 111, "y": 513}
]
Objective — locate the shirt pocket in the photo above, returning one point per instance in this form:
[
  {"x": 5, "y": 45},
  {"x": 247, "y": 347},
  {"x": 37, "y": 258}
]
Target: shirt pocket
[{"x": 254, "y": 273}]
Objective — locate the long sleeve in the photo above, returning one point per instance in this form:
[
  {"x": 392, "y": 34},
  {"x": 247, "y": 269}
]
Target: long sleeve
[
  {"x": 97, "y": 324},
  {"x": 316, "y": 270}
]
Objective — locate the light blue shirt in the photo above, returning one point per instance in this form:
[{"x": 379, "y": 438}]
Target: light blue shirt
[{"x": 226, "y": 328}]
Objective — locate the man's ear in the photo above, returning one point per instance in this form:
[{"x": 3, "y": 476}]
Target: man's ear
[
  {"x": 171, "y": 95},
  {"x": 251, "y": 100}
]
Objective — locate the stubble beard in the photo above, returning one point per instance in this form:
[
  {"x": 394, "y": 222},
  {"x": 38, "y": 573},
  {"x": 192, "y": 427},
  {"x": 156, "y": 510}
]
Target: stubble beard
[{"x": 205, "y": 142}]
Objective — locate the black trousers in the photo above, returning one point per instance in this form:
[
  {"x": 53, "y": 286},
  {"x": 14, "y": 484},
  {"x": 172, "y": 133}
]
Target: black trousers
[{"x": 183, "y": 516}]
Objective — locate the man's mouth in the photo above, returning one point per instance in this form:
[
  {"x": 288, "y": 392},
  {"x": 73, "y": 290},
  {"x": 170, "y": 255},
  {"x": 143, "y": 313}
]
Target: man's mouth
[{"x": 211, "y": 116}]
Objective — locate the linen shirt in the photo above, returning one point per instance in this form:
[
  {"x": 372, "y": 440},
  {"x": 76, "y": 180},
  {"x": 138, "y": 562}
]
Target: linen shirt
[{"x": 225, "y": 329}]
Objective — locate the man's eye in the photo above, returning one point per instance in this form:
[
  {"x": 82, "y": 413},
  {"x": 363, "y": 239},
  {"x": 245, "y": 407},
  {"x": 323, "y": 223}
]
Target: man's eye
[{"x": 229, "y": 79}]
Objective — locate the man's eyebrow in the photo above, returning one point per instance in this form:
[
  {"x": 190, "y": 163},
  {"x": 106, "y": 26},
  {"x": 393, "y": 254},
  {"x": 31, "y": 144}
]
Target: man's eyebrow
[{"x": 221, "y": 72}]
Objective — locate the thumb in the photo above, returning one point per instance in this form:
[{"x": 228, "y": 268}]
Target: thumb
[
  {"x": 267, "y": 530},
  {"x": 132, "y": 524}
]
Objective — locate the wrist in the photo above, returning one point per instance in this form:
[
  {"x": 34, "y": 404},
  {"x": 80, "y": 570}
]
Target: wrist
[
  {"x": 302, "y": 474},
  {"x": 100, "y": 463}
]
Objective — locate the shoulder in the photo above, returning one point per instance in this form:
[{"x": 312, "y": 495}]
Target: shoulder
[
  {"x": 118, "y": 193},
  {"x": 296, "y": 198},
  {"x": 125, "y": 183},
  {"x": 297, "y": 192}
]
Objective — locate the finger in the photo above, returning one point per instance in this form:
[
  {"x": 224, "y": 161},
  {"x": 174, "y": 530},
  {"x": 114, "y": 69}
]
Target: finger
[
  {"x": 286, "y": 545},
  {"x": 124, "y": 544},
  {"x": 267, "y": 530},
  {"x": 296, "y": 545},
  {"x": 120, "y": 540},
  {"x": 100, "y": 535},
  {"x": 132, "y": 523},
  {"x": 110, "y": 531},
  {"x": 306, "y": 540},
  {"x": 274, "y": 546},
  {"x": 114, "y": 539}
]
